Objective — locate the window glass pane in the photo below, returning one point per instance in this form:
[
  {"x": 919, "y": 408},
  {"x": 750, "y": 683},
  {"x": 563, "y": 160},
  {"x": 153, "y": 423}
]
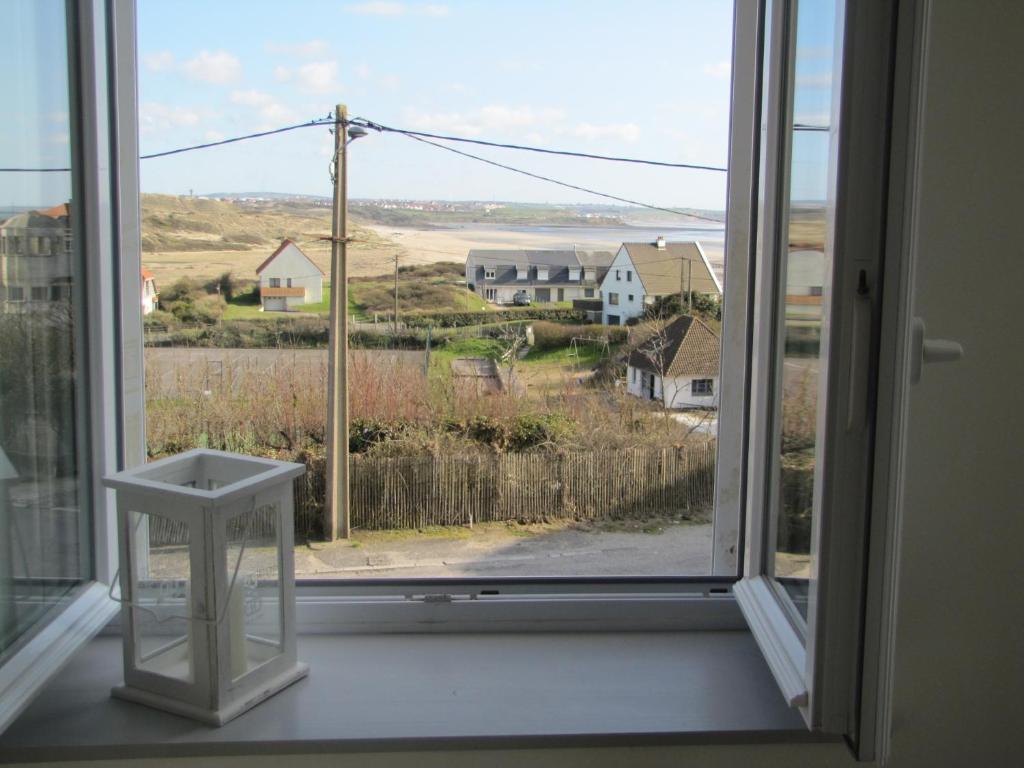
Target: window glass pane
[
  {"x": 490, "y": 435},
  {"x": 803, "y": 278},
  {"x": 43, "y": 521}
]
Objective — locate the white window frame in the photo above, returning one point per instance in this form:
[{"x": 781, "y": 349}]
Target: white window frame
[
  {"x": 816, "y": 662},
  {"x": 488, "y": 273},
  {"x": 115, "y": 371},
  {"x": 102, "y": 48},
  {"x": 613, "y": 299}
]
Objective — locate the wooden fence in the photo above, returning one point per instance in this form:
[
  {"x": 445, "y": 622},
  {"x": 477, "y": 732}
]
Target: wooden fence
[{"x": 533, "y": 487}]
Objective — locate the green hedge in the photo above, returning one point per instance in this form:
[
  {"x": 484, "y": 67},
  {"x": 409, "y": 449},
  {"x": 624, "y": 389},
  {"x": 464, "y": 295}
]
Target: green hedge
[
  {"x": 557, "y": 336},
  {"x": 457, "y": 319}
]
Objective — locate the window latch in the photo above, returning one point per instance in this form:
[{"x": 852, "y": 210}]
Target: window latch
[{"x": 924, "y": 350}]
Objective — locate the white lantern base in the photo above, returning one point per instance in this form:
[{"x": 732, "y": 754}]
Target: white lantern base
[{"x": 217, "y": 717}]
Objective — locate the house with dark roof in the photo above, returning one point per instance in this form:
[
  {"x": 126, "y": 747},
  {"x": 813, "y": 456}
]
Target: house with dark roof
[
  {"x": 288, "y": 279},
  {"x": 544, "y": 275},
  {"x": 641, "y": 272},
  {"x": 677, "y": 366},
  {"x": 35, "y": 259}
]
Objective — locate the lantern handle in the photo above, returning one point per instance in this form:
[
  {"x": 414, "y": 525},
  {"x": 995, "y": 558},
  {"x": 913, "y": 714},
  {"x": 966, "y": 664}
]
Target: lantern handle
[{"x": 197, "y": 619}]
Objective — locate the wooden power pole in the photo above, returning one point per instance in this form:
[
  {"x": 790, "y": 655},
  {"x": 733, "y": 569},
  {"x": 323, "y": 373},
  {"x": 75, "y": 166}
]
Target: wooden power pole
[
  {"x": 338, "y": 519},
  {"x": 396, "y": 295}
]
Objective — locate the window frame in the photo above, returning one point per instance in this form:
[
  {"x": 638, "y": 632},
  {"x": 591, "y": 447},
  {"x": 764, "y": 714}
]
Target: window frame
[
  {"x": 818, "y": 669},
  {"x": 101, "y": 49}
]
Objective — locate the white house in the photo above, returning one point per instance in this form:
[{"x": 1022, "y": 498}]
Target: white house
[
  {"x": 641, "y": 272},
  {"x": 288, "y": 279},
  {"x": 150, "y": 295},
  {"x": 678, "y": 366}
]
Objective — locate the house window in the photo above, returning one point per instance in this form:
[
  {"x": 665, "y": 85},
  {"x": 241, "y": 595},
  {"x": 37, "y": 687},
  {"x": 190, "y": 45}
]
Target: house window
[
  {"x": 522, "y": 273},
  {"x": 542, "y": 273},
  {"x": 588, "y": 293},
  {"x": 629, "y": 276},
  {"x": 15, "y": 293},
  {"x": 613, "y": 299},
  {"x": 631, "y": 298},
  {"x": 39, "y": 293},
  {"x": 490, "y": 294},
  {"x": 289, "y": 282},
  {"x": 618, "y": 274},
  {"x": 488, "y": 273},
  {"x": 701, "y": 387},
  {"x": 574, "y": 274},
  {"x": 275, "y": 282}
]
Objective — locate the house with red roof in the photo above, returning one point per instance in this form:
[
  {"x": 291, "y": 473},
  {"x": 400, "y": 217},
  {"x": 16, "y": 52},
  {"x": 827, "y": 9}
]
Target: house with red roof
[
  {"x": 150, "y": 295},
  {"x": 289, "y": 279}
]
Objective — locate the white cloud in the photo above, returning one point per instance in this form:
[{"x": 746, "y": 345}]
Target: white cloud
[
  {"x": 719, "y": 69},
  {"x": 494, "y": 119},
  {"x": 283, "y": 74},
  {"x": 308, "y": 49},
  {"x": 628, "y": 132},
  {"x": 273, "y": 112},
  {"x": 377, "y": 8},
  {"x": 218, "y": 67},
  {"x": 318, "y": 76},
  {"x": 251, "y": 98},
  {"x": 433, "y": 9},
  {"x": 363, "y": 70},
  {"x": 155, "y": 117},
  {"x": 158, "y": 61},
  {"x": 384, "y": 8},
  {"x": 823, "y": 80}
]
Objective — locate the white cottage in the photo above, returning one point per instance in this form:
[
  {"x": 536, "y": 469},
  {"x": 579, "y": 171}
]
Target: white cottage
[
  {"x": 289, "y": 279},
  {"x": 678, "y": 366},
  {"x": 641, "y": 272}
]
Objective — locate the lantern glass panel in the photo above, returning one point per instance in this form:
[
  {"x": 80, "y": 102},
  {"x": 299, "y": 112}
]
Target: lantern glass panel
[
  {"x": 162, "y": 596},
  {"x": 254, "y": 615}
]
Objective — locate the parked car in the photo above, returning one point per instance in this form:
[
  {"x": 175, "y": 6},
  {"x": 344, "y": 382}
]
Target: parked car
[{"x": 521, "y": 299}]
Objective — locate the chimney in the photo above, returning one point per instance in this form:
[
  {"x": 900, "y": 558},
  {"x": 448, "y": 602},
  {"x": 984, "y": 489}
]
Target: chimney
[{"x": 661, "y": 242}]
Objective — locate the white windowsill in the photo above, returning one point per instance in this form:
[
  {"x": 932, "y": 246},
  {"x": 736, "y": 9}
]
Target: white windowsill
[{"x": 414, "y": 691}]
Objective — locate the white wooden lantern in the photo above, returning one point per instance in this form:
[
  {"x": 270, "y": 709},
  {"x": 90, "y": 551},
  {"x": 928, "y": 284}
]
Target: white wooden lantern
[{"x": 207, "y": 579}]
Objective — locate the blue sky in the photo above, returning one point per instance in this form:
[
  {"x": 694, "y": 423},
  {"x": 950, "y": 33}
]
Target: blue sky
[{"x": 647, "y": 79}]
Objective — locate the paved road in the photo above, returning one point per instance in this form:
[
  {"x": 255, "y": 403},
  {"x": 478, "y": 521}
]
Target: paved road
[{"x": 679, "y": 548}]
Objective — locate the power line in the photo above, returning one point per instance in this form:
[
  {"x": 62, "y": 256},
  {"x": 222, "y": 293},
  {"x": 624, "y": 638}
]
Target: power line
[
  {"x": 311, "y": 124},
  {"x": 564, "y": 152},
  {"x": 554, "y": 181}
]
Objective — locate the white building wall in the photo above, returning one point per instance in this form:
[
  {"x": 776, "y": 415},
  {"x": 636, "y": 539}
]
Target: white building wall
[
  {"x": 678, "y": 393},
  {"x": 292, "y": 264},
  {"x": 615, "y": 282},
  {"x": 675, "y": 393}
]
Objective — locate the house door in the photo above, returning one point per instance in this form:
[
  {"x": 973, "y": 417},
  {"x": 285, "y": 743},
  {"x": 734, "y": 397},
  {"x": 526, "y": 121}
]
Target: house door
[
  {"x": 613, "y": 319},
  {"x": 650, "y": 386},
  {"x": 274, "y": 304},
  {"x": 543, "y": 294},
  {"x": 561, "y": 294}
]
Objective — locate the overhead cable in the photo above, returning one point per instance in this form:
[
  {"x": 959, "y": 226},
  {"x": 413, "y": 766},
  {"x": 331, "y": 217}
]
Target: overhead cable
[{"x": 522, "y": 147}]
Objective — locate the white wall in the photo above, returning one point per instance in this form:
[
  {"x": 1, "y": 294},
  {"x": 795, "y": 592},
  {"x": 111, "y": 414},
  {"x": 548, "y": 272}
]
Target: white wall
[
  {"x": 677, "y": 393},
  {"x": 292, "y": 263},
  {"x": 612, "y": 284},
  {"x": 959, "y": 641}
]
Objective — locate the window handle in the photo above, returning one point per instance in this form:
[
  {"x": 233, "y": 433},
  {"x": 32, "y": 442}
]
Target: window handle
[{"x": 924, "y": 350}]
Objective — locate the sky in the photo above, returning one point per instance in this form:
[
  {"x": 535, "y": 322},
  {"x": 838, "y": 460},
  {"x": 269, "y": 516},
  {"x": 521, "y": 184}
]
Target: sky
[{"x": 648, "y": 79}]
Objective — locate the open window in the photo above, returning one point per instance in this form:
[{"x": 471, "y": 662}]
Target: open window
[
  {"x": 70, "y": 370},
  {"x": 820, "y": 160}
]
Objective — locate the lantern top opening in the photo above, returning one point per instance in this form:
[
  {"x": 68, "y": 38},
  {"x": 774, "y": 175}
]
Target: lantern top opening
[{"x": 205, "y": 474}]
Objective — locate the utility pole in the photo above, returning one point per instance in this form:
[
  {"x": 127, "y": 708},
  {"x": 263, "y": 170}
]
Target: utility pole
[
  {"x": 689, "y": 286},
  {"x": 396, "y": 294},
  {"x": 337, "y": 367}
]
